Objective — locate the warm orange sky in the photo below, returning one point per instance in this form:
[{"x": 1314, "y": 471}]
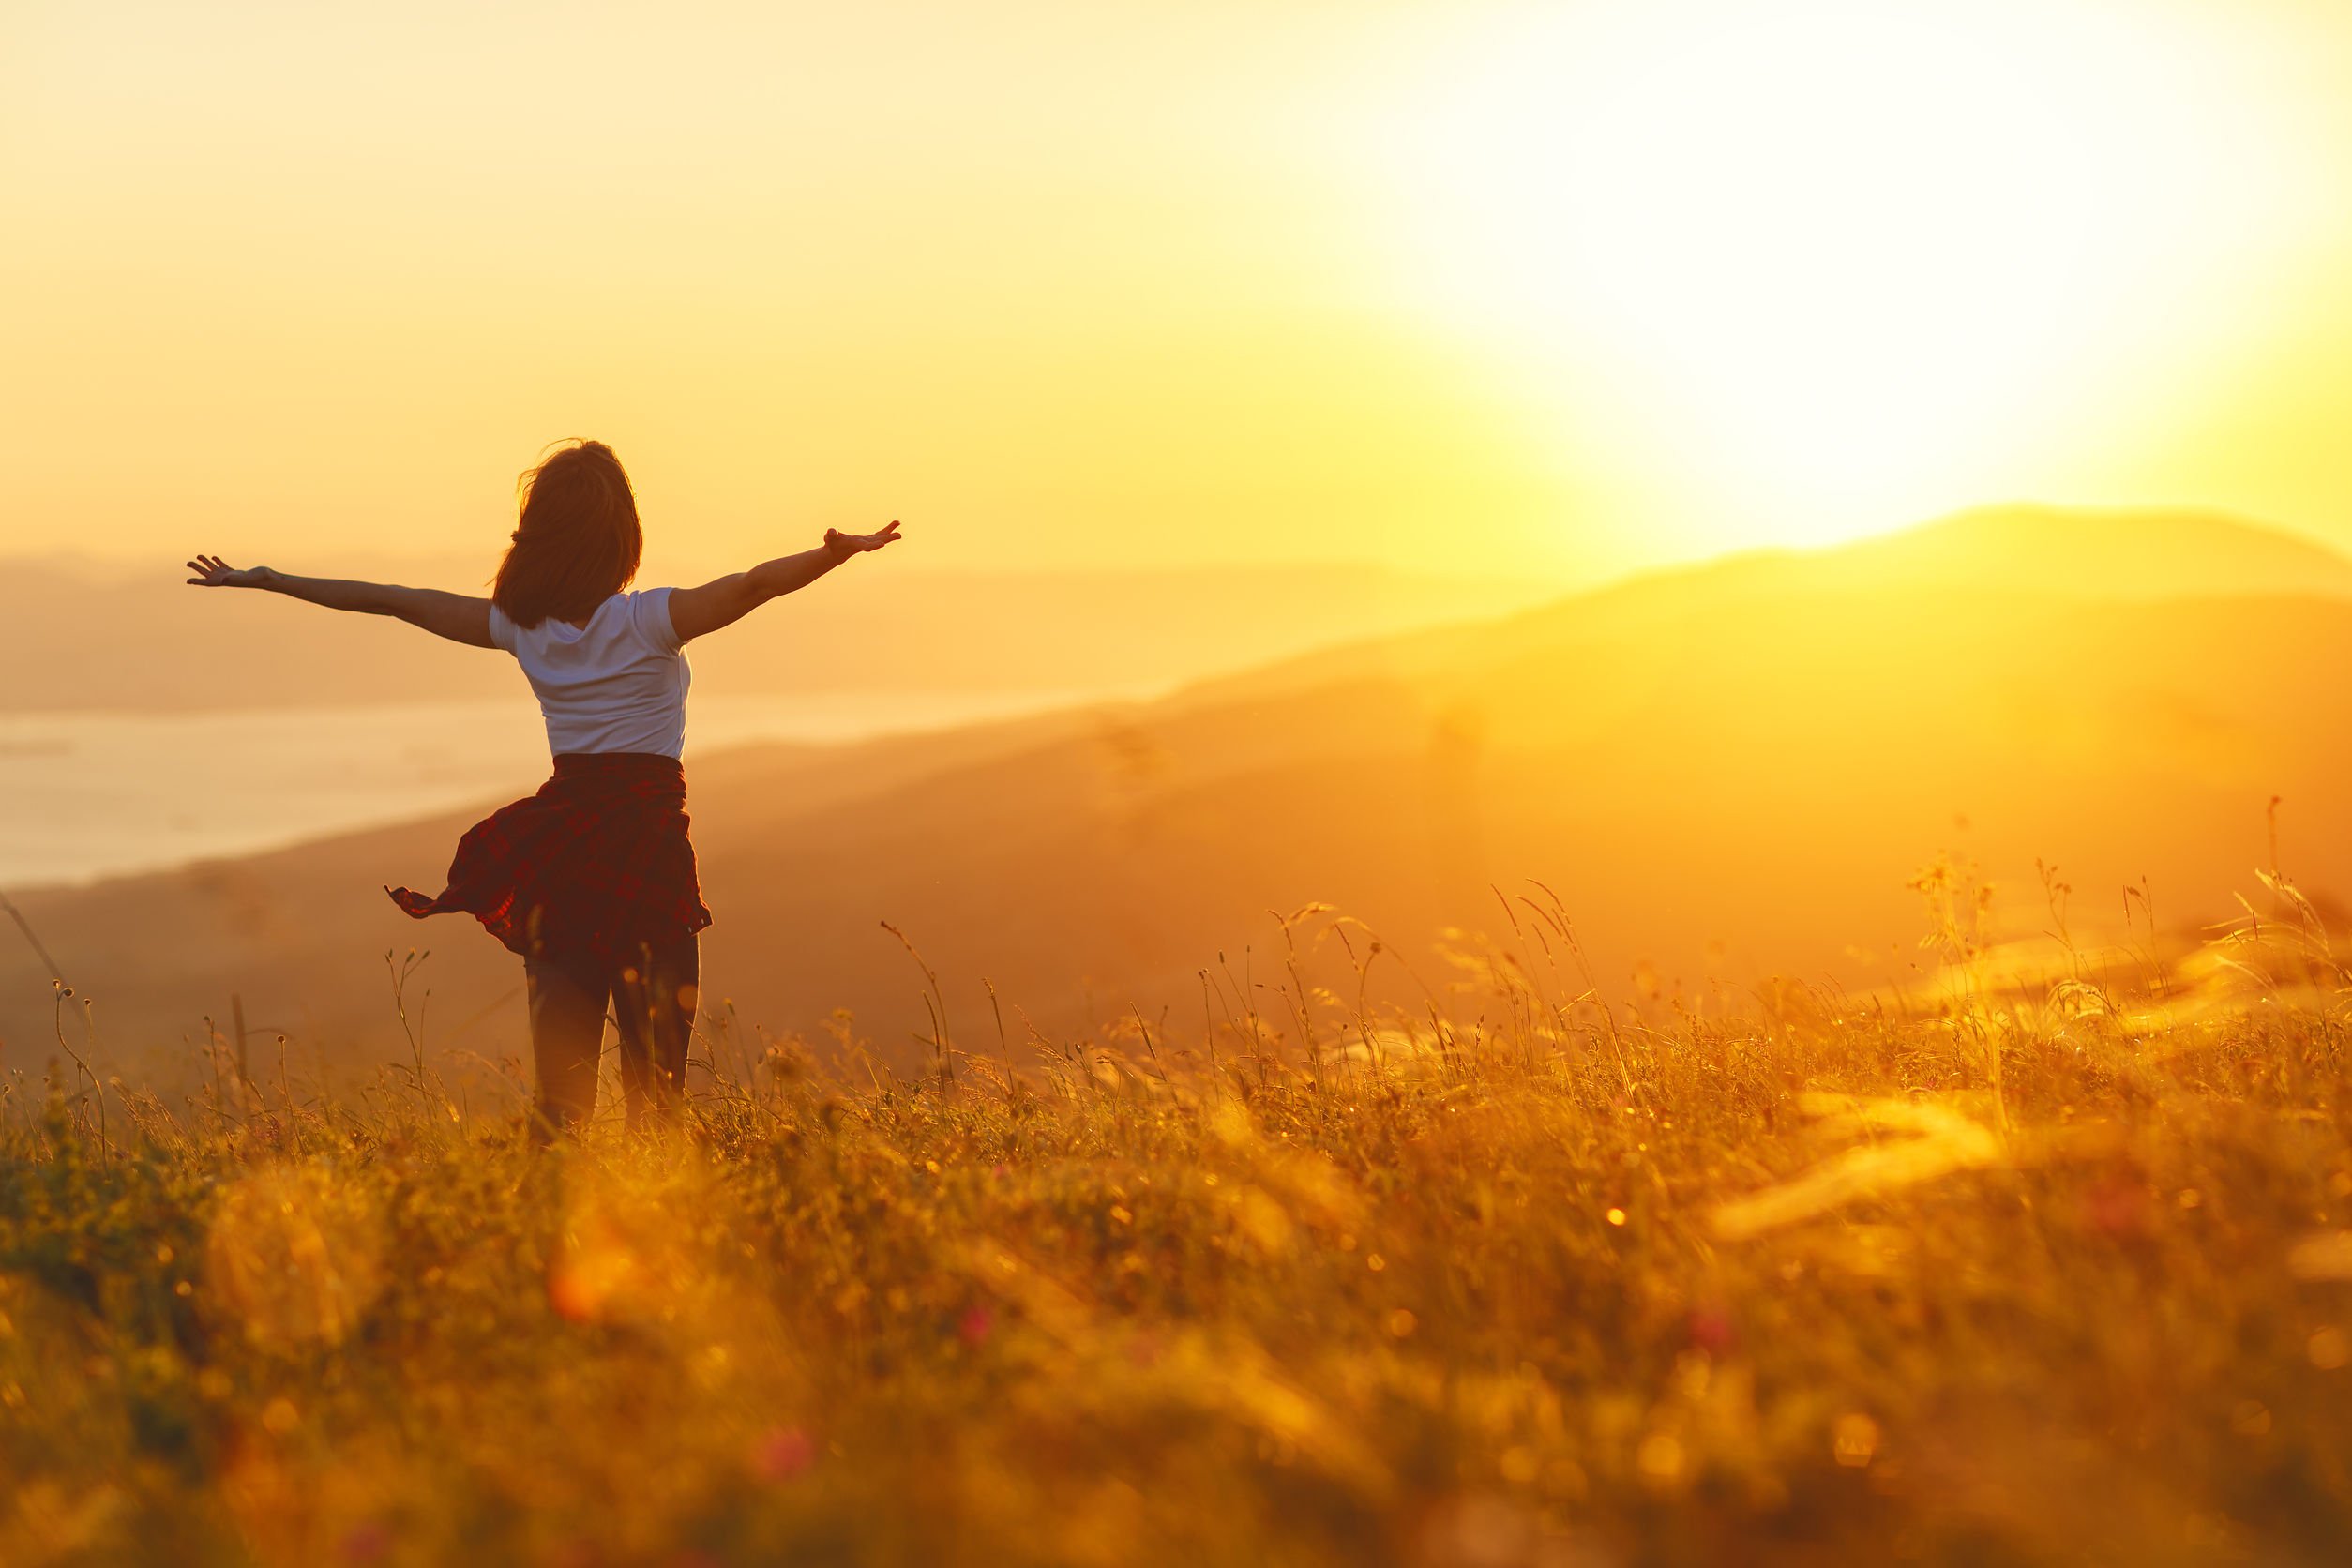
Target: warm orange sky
[{"x": 1557, "y": 289}]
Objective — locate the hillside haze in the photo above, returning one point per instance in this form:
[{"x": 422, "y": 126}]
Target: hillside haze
[
  {"x": 143, "y": 641},
  {"x": 1726, "y": 773}
]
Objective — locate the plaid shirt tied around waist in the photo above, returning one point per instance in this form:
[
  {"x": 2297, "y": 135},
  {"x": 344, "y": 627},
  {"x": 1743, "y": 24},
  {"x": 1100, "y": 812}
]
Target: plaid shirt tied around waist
[{"x": 598, "y": 862}]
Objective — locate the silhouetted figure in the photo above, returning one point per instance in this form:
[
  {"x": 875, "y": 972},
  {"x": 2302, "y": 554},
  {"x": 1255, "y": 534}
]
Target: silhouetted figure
[{"x": 592, "y": 879}]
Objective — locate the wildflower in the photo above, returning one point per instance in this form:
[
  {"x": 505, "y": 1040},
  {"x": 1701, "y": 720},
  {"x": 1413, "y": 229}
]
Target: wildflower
[
  {"x": 975, "y": 1325},
  {"x": 1710, "y": 1330},
  {"x": 2117, "y": 1206},
  {"x": 366, "y": 1543},
  {"x": 781, "y": 1453},
  {"x": 1854, "y": 1439}
]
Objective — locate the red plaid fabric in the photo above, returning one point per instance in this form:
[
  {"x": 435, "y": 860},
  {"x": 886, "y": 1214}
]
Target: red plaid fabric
[{"x": 598, "y": 862}]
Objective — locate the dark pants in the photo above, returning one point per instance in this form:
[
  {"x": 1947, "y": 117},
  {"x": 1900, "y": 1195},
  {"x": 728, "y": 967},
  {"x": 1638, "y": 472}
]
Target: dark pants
[{"x": 652, "y": 1003}]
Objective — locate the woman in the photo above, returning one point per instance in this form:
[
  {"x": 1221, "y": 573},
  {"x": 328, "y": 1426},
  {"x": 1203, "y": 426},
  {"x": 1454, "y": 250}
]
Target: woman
[{"x": 592, "y": 879}]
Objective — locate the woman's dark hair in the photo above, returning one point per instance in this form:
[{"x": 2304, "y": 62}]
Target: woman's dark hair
[{"x": 578, "y": 543}]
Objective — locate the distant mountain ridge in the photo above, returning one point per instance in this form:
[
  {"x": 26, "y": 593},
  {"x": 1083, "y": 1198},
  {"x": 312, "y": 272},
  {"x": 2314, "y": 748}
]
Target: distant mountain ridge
[
  {"x": 2024, "y": 548},
  {"x": 2096, "y": 552}
]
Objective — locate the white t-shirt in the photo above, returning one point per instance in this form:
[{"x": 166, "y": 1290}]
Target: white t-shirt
[{"x": 617, "y": 684}]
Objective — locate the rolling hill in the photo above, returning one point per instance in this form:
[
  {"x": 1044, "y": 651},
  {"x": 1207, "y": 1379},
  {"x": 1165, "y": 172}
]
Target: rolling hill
[{"x": 1726, "y": 773}]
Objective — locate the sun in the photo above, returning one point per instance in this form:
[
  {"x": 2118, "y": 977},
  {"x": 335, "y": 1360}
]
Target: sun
[{"x": 1841, "y": 257}]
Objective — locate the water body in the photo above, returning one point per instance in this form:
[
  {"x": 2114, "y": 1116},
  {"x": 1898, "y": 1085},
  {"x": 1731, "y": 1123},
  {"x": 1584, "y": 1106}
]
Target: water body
[{"x": 90, "y": 795}]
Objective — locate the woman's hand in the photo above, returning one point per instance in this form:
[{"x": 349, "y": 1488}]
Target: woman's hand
[
  {"x": 455, "y": 616},
  {"x": 210, "y": 571},
  {"x": 847, "y": 545},
  {"x": 723, "y": 602}
]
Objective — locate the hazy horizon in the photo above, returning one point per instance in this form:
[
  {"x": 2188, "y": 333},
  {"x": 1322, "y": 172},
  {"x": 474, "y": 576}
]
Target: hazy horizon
[
  {"x": 471, "y": 569},
  {"x": 110, "y": 567}
]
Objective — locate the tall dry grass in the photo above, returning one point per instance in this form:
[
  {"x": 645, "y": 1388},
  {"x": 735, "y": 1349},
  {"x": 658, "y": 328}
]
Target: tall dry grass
[{"x": 2047, "y": 1256}]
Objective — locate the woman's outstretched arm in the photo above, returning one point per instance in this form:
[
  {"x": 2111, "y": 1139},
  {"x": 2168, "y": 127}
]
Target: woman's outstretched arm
[
  {"x": 697, "y": 611},
  {"x": 455, "y": 616}
]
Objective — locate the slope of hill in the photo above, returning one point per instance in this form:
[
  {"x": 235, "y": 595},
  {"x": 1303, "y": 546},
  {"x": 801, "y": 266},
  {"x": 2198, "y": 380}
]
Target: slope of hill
[
  {"x": 2142, "y": 554},
  {"x": 1726, "y": 773},
  {"x": 2033, "y": 551}
]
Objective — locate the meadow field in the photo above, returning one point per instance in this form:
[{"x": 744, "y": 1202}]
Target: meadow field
[
  {"x": 1992, "y": 1268},
  {"x": 1326, "y": 962}
]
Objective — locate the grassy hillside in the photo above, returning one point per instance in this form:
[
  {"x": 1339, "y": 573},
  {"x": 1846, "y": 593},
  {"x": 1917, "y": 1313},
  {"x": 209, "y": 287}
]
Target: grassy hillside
[
  {"x": 1727, "y": 774},
  {"x": 2053, "y": 1275}
]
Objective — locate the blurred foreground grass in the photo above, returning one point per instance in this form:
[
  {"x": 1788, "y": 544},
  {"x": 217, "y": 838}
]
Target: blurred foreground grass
[{"x": 1523, "y": 1281}]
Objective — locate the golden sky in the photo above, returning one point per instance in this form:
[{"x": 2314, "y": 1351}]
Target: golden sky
[{"x": 1492, "y": 287}]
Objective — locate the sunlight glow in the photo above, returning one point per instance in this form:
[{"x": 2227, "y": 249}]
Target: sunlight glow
[
  {"x": 1836, "y": 254},
  {"x": 1546, "y": 289}
]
